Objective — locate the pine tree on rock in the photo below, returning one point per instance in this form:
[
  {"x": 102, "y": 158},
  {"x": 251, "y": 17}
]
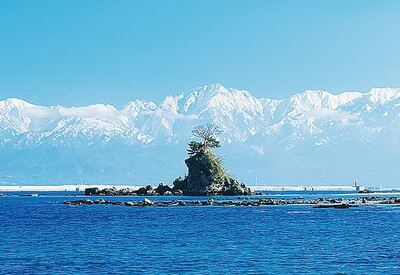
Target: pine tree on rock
[{"x": 206, "y": 174}]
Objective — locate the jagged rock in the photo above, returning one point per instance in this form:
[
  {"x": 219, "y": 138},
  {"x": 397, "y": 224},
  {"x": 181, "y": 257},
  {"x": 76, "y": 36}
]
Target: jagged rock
[
  {"x": 177, "y": 192},
  {"x": 392, "y": 200},
  {"x": 181, "y": 203},
  {"x": 91, "y": 191},
  {"x": 147, "y": 202},
  {"x": 206, "y": 177},
  {"x": 164, "y": 189},
  {"x": 265, "y": 201},
  {"x": 142, "y": 191},
  {"x": 146, "y": 191},
  {"x": 79, "y": 202}
]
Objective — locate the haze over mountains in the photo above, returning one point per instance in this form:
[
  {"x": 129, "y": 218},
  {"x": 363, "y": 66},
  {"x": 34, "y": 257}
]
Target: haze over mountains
[{"x": 313, "y": 137}]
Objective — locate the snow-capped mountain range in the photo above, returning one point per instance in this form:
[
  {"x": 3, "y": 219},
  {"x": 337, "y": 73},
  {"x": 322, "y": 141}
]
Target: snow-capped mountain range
[{"x": 313, "y": 137}]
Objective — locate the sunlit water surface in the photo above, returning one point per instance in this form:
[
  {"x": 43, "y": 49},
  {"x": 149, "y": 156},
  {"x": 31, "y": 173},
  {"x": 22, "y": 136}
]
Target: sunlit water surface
[{"x": 42, "y": 235}]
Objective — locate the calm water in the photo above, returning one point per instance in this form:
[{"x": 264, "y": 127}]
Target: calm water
[{"x": 41, "y": 235}]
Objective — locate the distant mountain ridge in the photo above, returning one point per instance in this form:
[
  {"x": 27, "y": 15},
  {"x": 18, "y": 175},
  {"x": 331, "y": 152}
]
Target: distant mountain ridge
[{"x": 313, "y": 137}]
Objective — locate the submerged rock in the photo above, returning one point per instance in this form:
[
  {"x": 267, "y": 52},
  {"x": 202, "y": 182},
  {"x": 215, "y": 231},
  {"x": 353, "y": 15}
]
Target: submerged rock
[
  {"x": 79, "y": 202},
  {"x": 101, "y": 201},
  {"x": 337, "y": 206}
]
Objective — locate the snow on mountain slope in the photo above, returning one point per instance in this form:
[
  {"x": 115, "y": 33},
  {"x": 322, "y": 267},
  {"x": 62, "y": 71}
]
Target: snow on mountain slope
[
  {"x": 313, "y": 129},
  {"x": 239, "y": 113}
]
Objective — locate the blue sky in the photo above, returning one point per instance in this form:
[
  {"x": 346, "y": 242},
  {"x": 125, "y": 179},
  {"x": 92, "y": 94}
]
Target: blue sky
[{"x": 81, "y": 52}]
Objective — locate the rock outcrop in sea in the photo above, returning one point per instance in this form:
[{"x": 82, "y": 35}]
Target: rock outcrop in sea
[
  {"x": 206, "y": 177},
  {"x": 206, "y": 174}
]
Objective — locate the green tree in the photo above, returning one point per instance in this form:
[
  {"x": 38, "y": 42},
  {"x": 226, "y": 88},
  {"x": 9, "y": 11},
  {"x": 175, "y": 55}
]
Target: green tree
[{"x": 207, "y": 134}]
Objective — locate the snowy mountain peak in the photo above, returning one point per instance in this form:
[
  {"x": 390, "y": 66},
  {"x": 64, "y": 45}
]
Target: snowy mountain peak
[
  {"x": 220, "y": 98},
  {"x": 14, "y": 102},
  {"x": 202, "y": 96},
  {"x": 310, "y": 100},
  {"x": 137, "y": 106},
  {"x": 240, "y": 114},
  {"x": 312, "y": 130},
  {"x": 383, "y": 95},
  {"x": 171, "y": 103}
]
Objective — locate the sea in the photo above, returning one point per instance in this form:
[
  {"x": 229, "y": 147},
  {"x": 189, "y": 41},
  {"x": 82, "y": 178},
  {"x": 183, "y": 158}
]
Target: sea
[{"x": 41, "y": 235}]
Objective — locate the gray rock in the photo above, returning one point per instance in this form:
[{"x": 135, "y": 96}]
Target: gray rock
[
  {"x": 206, "y": 177},
  {"x": 147, "y": 202},
  {"x": 177, "y": 192},
  {"x": 182, "y": 203},
  {"x": 91, "y": 191},
  {"x": 163, "y": 189}
]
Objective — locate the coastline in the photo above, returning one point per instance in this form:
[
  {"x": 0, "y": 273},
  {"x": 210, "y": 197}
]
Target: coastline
[
  {"x": 59, "y": 188},
  {"x": 82, "y": 187}
]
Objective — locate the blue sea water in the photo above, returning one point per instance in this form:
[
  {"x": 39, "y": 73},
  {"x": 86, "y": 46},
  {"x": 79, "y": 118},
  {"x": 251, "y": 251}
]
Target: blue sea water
[{"x": 40, "y": 235}]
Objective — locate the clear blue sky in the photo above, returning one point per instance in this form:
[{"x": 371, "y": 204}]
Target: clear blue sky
[{"x": 80, "y": 52}]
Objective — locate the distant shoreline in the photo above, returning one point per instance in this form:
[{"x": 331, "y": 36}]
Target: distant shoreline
[{"x": 81, "y": 187}]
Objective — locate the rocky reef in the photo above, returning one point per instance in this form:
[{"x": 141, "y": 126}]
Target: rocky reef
[{"x": 336, "y": 203}]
